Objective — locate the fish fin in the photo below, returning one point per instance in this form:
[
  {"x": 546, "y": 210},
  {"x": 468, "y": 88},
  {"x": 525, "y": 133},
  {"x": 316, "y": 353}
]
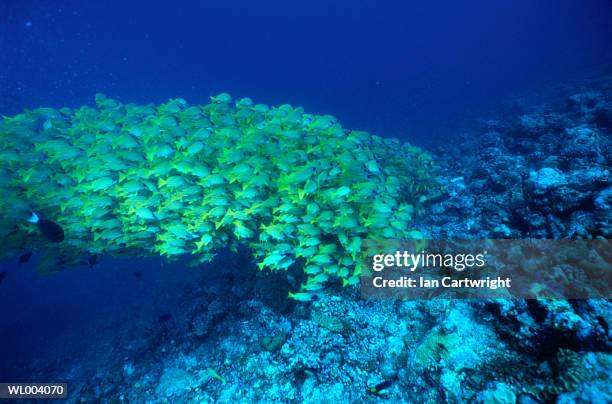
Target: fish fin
[{"x": 33, "y": 218}]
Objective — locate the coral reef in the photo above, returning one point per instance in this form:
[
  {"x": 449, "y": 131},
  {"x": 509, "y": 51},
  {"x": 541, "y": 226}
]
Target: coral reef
[
  {"x": 542, "y": 174},
  {"x": 428, "y": 351}
]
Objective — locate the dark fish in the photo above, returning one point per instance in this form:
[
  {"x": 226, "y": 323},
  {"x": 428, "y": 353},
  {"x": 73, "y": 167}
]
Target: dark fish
[
  {"x": 51, "y": 230},
  {"x": 92, "y": 260},
  {"x": 380, "y": 387},
  {"x": 2, "y": 276},
  {"x": 137, "y": 274},
  {"x": 25, "y": 257},
  {"x": 441, "y": 347}
]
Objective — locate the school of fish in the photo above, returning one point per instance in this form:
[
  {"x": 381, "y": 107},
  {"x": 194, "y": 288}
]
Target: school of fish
[{"x": 173, "y": 179}]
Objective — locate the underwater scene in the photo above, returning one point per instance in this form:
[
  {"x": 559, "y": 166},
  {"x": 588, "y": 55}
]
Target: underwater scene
[{"x": 306, "y": 202}]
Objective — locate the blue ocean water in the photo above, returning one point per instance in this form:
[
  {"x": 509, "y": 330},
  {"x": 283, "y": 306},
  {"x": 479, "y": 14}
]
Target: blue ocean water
[
  {"x": 403, "y": 69},
  {"x": 421, "y": 72}
]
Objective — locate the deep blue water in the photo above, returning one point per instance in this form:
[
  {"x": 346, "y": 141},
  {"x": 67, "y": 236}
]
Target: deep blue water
[
  {"x": 407, "y": 69},
  {"x": 417, "y": 71},
  {"x": 75, "y": 316}
]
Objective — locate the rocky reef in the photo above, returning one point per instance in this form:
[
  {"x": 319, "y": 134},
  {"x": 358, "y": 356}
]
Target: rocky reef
[
  {"x": 544, "y": 173},
  {"x": 256, "y": 346}
]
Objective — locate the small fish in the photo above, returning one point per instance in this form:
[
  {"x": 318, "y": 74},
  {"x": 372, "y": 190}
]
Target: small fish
[
  {"x": 215, "y": 375},
  {"x": 310, "y": 371},
  {"x": 25, "y": 257},
  {"x": 380, "y": 387},
  {"x": 301, "y": 296},
  {"x": 51, "y": 230},
  {"x": 441, "y": 347},
  {"x": 2, "y": 276}
]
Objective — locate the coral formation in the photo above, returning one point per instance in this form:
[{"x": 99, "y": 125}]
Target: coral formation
[
  {"x": 175, "y": 179},
  {"x": 539, "y": 174}
]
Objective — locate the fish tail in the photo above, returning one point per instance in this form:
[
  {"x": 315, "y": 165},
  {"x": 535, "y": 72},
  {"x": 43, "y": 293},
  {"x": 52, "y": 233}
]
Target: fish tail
[{"x": 33, "y": 218}]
